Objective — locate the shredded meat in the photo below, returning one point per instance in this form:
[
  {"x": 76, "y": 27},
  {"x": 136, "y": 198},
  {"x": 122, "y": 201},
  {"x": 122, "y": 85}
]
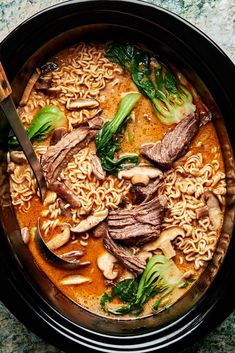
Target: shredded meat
[
  {"x": 131, "y": 262},
  {"x": 174, "y": 144},
  {"x": 138, "y": 225}
]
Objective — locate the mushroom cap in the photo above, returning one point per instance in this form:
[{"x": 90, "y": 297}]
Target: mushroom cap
[
  {"x": 163, "y": 242},
  {"x": 74, "y": 279},
  {"x": 60, "y": 239},
  {"x": 90, "y": 222},
  {"x": 81, "y": 103},
  {"x": 106, "y": 262},
  {"x": 215, "y": 213},
  {"x": 141, "y": 169}
]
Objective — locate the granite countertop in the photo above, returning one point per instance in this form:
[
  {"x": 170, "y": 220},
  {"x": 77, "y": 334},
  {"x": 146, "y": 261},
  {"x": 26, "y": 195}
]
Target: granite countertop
[{"x": 217, "y": 19}]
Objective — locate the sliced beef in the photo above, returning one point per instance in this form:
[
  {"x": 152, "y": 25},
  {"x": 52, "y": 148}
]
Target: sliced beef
[
  {"x": 65, "y": 193},
  {"x": 174, "y": 144},
  {"x": 145, "y": 193},
  {"x": 101, "y": 230},
  {"x": 57, "y": 156},
  {"x": 138, "y": 225},
  {"x": 131, "y": 262},
  {"x": 96, "y": 122}
]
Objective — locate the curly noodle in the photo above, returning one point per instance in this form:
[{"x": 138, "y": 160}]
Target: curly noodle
[
  {"x": 83, "y": 73},
  {"x": 184, "y": 187},
  {"x": 93, "y": 194}
]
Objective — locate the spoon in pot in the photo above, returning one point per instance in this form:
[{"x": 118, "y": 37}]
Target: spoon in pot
[
  {"x": 9, "y": 109},
  {"x": 67, "y": 261}
]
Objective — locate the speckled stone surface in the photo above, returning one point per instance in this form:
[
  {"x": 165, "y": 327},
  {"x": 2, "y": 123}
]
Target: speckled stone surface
[{"x": 217, "y": 19}]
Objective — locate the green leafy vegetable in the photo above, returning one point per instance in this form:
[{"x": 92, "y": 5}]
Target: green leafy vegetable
[
  {"x": 108, "y": 141},
  {"x": 160, "y": 276},
  {"x": 46, "y": 120},
  {"x": 125, "y": 290},
  {"x": 105, "y": 299},
  {"x": 171, "y": 100}
]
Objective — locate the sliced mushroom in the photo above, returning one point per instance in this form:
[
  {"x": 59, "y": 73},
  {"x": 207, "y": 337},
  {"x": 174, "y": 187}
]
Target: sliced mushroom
[
  {"x": 97, "y": 167},
  {"x": 28, "y": 89},
  {"x": 164, "y": 241},
  {"x": 18, "y": 157},
  {"x": 82, "y": 103},
  {"x": 141, "y": 174},
  {"x": 25, "y": 235},
  {"x": 215, "y": 213},
  {"x": 60, "y": 239},
  {"x": 75, "y": 279},
  {"x": 140, "y": 179},
  {"x": 48, "y": 67},
  {"x": 63, "y": 261},
  {"x": 90, "y": 222},
  {"x": 72, "y": 256},
  {"x": 106, "y": 262}
]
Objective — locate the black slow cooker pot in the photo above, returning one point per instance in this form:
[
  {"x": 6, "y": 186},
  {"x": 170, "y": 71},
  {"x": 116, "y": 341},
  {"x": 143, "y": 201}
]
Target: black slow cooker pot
[{"x": 25, "y": 290}]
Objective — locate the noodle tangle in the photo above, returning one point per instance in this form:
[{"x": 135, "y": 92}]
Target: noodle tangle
[
  {"x": 184, "y": 187},
  {"x": 83, "y": 73},
  {"x": 94, "y": 195}
]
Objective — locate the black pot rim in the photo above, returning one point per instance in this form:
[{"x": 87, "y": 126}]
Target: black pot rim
[{"x": 37, "y": 315}]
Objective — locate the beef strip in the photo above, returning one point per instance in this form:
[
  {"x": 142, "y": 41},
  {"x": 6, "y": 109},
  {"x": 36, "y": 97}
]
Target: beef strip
[
  {"x": 63, "y": 191},
  {"x": 100, "y": 231},
  {"x": 57, "y": 156},
  {"x": 174, "y": 144},
  {"x": 131, "y": 262},
  {"x": 145, "y": 193},
  {"x": 138, "y": 225},
  {"x": 96, "y": 122}
]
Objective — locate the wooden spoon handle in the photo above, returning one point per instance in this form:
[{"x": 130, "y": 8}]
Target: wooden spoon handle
[{"x": 5, "y": 88}]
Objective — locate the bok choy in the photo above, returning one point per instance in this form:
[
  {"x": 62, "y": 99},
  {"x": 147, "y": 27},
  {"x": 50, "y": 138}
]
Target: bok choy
[
  {"x": 108, "y": 138},
  {"x": 45, "y": 121},
  {"x": 160, "y": 277},
  {"x": 154, "y": 79}
]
